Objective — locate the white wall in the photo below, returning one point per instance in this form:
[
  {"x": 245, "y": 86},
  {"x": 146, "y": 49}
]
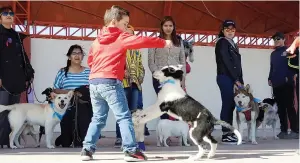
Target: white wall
[{"x": 48, "y": 56}]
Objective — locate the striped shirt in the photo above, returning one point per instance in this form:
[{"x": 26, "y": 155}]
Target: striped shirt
[{"x": 72, "y": 81}]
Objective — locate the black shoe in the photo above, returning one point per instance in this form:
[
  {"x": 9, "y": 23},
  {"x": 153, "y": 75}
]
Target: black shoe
[
  {"x": 229, "y": 139},
  {"x": 293, "y": 135},
  {"x": 282, "y": 135},
  {"x": 137, "y": 156},
  {"x": 118, "y": 143},
  {"x": 86, "y": 155},
  {"x": 234, "y": 136}
]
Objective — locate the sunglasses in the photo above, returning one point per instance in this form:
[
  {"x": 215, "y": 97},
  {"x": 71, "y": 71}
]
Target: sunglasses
[
  {"x": 229, "y": 29},
  {"x": 6, "y": 13},
  {"x": 276, "y": 38}
]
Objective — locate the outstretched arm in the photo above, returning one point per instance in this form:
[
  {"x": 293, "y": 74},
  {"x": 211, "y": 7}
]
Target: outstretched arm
[
  {"x": 294, "y": 45},
  {"x": 130, "y": 41}
]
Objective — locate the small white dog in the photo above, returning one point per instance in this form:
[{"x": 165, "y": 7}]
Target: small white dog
[
  {"x": 167, "y": 128},
  {"x": 46, "y": 115}
]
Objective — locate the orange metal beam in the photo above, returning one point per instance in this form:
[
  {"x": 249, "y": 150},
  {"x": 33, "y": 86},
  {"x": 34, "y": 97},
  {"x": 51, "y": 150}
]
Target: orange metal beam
[
  {"x": 167, "y": 8},
  {"x": 89, "y": 32}
]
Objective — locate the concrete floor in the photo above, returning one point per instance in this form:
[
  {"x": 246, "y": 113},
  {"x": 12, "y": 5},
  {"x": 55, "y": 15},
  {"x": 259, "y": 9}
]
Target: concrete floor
[{"x": 267, "y": 151}]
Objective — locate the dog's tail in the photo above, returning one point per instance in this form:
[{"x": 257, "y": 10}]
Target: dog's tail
[
  {"x": 235, "y": 131},
  {"x": 9, "y": 107}
]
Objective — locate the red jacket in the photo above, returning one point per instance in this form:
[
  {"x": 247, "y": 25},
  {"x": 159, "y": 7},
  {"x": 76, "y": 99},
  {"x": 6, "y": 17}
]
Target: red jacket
[{"x": 107, "y": 54}]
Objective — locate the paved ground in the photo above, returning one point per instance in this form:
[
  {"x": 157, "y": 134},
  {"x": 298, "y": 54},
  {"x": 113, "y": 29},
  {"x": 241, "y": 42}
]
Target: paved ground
[{"x": 267, "y": 151}]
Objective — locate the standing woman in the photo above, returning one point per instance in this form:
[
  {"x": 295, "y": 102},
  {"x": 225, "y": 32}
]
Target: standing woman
[
  {"x": 73, "y": 76},
  {"x": 16, "y": 72},
  {"x": 229, "y": 72},
  {"x": 132, "y": 82},
  {"x": 160, "y": 57}
]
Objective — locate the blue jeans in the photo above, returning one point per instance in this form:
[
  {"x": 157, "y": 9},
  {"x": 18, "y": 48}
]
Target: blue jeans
[
  {"x": 226, "y": 85},
  {"x": 132, "y": 96},
  {"x": 104, "y": 96},
  {"x": 140, "y": 101}
]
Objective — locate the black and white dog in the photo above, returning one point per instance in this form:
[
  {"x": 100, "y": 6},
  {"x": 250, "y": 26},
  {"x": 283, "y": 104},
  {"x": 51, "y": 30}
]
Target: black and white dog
[{"x": 172, "y": 99}]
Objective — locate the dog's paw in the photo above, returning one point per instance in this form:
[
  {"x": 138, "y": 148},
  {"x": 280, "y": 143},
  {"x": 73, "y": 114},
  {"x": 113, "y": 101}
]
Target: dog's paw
[
  {"x": 166, "y": 145},
  {"x": 13, "y": 147},
  {"x": 21, "y": 146},
  {"x": 188, "y": 145},
  {"x": 37, "y": 146},
  {"x": 276, "y": 138},
  {"x": 194, "y": 158},
  {"x": 211, "y": 154},
  {"x": 254, "y": 142},
  {"x": 50, "y": 147}
]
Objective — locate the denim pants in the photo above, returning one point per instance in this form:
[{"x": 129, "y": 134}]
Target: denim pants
[
  {"x": 132, "y": 96},
  {"x": 104, "y": 97},
  {"x": 140, "y": 104},
  {"x": 226, "y": 85}
]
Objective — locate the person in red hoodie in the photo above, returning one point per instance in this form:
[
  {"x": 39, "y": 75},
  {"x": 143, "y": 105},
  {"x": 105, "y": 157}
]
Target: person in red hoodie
[{"x": 106, "y": 60}]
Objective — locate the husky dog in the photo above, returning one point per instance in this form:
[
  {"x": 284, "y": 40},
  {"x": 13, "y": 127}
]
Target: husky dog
[
  {"x": 172, "y": 99},
  {"x": 166, "y": 128},
  {"x": 247, "y": 111},
  {"x": 189, "y": 50},
  {"x": 46, "y": 115},
  {"x": 270, "y": 118}
]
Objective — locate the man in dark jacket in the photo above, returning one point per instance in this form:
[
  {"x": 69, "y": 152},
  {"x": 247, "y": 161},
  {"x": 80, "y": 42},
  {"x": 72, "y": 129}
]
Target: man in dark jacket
[
  {"x": 12, "y": 72},
  {"x": 281, "y": 80}
]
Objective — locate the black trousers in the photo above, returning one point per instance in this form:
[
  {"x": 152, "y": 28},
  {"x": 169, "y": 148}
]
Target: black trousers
[
  {"x": 73, "y": 130},
  {"x": 284, "y": 97},
  {"x": 6, "y": 99}
]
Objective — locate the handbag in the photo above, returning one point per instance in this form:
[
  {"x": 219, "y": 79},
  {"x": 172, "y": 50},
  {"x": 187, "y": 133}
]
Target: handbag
[{"x": 29, "y": 71}]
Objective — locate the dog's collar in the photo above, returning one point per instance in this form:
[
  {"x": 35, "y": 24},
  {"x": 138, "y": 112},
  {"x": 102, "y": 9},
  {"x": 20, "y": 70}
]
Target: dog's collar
[
  {"x": 239, "y": 109},
  {"x": 171, "y": 81},
  {"x": 55, "y": 114}
]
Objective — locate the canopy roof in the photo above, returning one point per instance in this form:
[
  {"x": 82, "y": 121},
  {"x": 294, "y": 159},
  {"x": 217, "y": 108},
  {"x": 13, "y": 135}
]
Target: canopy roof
[{"x": 251, "y": 17}]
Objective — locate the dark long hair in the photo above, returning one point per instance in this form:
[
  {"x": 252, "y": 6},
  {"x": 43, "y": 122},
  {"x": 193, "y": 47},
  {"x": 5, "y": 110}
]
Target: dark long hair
[
  {"x": 174, "y": 37},
  {"x": 66, "y": 69},
  {"x": 221, "y": 34}
]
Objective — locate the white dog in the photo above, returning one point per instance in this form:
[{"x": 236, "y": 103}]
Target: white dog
[
  {"x": 167, "y": 128},
  {"x": 46, "y": 115}
]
